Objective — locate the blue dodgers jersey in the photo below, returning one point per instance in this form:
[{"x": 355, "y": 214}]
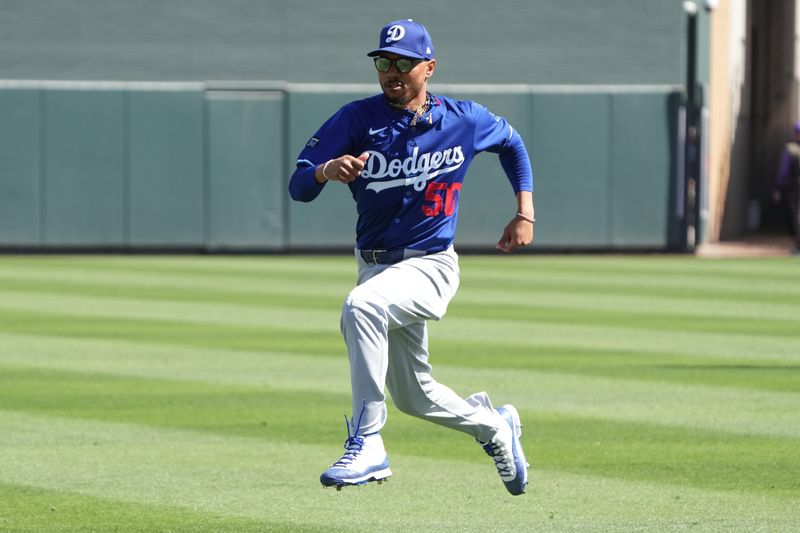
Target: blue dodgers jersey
[{"x": 408, "y": 193}]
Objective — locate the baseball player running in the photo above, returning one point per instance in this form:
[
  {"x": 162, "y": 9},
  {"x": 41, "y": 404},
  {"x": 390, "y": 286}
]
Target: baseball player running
[{"x": 404, "y": 154}]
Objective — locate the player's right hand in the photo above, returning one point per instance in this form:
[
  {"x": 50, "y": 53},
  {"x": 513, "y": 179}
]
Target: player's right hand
[{"x": 343, "y": 169}]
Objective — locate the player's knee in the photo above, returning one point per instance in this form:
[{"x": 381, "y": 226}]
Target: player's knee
[
  {"x": 413, "y": 398},
  {"x": 410, "y": 407},
  {"x": 360, "y": 305},
  {"x": 420, "y": 407},
  {"x": 361, "y": 300},
  {"x": 404, "y": 406}
]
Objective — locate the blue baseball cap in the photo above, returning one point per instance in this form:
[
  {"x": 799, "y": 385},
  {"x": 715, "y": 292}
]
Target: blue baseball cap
[{"x": 406, "y": 38}]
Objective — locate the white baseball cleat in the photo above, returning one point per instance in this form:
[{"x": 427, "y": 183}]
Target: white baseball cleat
[
  {"x": 364, "y": 460},
  {"x": 506, "y": 450}
]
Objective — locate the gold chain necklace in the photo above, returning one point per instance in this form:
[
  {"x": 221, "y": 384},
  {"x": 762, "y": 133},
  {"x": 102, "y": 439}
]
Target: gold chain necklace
[{"x": 419, "y": 112}]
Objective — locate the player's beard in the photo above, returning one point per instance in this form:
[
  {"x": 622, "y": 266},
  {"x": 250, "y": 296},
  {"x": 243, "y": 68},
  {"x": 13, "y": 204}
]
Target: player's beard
[{"x": 399, "y": 93}]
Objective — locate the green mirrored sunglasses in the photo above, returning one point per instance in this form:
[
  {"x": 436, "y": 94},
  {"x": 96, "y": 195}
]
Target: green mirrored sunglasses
[{"x": 403, "y": 64}]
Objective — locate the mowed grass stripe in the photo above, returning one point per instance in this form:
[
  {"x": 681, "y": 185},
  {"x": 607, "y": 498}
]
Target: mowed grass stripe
[
  {"x": 230, "y": 476},
  {"x": 743, "y": 372},
  {"x": 162, "y": 360},
  {"x": 771, "y": 267},
  {"x": 725, "y": 409},
  {"x": 250, "y": 268},
  {"x": 649, "y": 319},
  {"x": 93, "y": 281},
  {"x": 655, "y": 303},
  {"x": 594, "y": 446},
  {"x": 594, "y": 357},
  {"x": 26, "y": 508},
  {"x": 533, "y": 274},
  {"x": 719, "y": 408},
  {"x": 637, "y": 311},
  {"x": 629, "y": 352},
  {"x": 264, "y": 344},
  {"x": 89, "y": 307},
  {"x": 657, "y": 265},
  {"x": 327, "y": 319},
  {"x": 207, "y": 333},
  {"x": 474, "y": 342},
  {"x": 609, "y": 338},
  {"x": 309, "y": 312},
  {"x": 764, "y": 291},
  {"x": 713, "y": 314},
  {"x": 629, "y": 427},
  {"x": 225, "y": 476},
  {"x": 267, "y": 293},
  {"x": 221, "y": 408}
]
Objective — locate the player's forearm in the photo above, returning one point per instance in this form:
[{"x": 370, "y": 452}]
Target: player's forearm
[
  {"x": 303, "y": 186},
  {"x": 525, "y": 205},
  {"x": 516, "y": 164},
  {"x": 319, "y": 173}
]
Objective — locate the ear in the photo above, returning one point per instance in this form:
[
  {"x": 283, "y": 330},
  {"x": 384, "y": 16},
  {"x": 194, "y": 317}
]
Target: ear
[{"x": 429, "y": 68}]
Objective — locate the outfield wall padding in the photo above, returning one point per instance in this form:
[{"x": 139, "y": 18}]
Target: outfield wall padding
[{"x": 205, "y": 166}]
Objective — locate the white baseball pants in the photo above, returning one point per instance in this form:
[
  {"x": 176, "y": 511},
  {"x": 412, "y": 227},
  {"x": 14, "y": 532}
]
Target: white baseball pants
[{"x": 384, "y": 327}]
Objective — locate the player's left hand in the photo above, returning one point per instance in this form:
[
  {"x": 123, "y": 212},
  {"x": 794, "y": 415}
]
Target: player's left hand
[{"x": 517, "y": 234}]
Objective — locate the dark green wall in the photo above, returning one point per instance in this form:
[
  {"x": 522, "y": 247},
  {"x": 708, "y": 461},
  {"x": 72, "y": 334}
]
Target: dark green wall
[
  {"x": 20, "y": 167},
  {"x": 507, "y": 41},
  {"x": 246, "y": 168},
  {"x": 206, "y": 167},
  {"x": 591, "y": 85}
]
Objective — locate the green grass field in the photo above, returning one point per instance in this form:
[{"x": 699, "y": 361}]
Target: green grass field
[{"x": 189, "y": 394}]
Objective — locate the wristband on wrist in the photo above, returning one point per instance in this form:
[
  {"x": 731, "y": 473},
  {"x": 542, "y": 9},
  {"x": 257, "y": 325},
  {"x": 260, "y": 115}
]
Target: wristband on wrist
[
  {"x": 523, "y": 217},
  {"x": 324, "y": 167}
]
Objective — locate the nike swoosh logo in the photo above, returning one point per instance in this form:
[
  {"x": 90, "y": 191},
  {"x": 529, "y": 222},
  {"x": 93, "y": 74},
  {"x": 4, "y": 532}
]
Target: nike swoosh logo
[{"x": 375, "y": 132}]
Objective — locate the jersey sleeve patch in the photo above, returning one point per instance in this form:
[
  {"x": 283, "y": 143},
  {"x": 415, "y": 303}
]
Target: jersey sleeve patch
[{"x": 312, "y": 142}]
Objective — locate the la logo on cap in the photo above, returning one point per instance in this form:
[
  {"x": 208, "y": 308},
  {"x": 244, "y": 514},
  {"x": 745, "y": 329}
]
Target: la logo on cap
[
  {"x": 405, "y": 37},
  {"x": 395, "y": 33}
]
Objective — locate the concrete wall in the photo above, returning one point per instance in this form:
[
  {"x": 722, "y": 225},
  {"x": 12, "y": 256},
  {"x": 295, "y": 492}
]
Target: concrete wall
[{"x": 754, "y": 102}]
